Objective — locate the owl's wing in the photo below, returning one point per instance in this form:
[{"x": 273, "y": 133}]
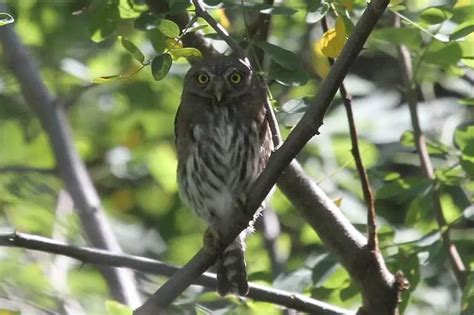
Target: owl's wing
[
  {"x": 182, "y": 134},
  {"x": 265, "y": 137}
]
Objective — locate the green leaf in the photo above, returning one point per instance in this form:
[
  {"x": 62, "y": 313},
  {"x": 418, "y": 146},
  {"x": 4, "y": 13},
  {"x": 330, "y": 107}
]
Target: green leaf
[
  {"x": 106, "y": 78},
  {"x": 462, "y": 30},
  {"x": 288, "y": 77},
  {"x": 403, "y": 189},
  {"x": 314, "y": 16},
  {"x": 420, "y": 208},
  {"x": 189, "y": 53},
  {"x": 168, "y": 28},
  {"x": 466, "y": 101},
  {"x": 409, "y": 36},
  {"x": 132, "y": 49},
  {"x": 104, "y": 20},
  {"x": 450, "y": 176},
  {"x": 464, "y": 135},
  {"x": 116, "y": 308},
  {"x": 160, "y": 66},
  {"x": 444, "y": 54},
  {"x": 467, "y": 158},
  {"x": 157, "y": 39},
  {"x": 434, "y": 146},
  {"x": 295, "y": 281},
  {"x": 5, "y": 19},
  {"x": 283, "y": 57},
  {"x": 467, "y": 300},
  {"x": 436, "y": 15}
]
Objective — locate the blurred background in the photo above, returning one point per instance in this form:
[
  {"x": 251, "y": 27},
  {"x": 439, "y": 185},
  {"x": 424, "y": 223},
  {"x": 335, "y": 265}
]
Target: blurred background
[{"x": 123, "y": 130}]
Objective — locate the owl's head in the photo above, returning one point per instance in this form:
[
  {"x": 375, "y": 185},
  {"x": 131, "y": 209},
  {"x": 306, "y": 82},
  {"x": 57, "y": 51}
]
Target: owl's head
[{"x": 219, "y": 78}]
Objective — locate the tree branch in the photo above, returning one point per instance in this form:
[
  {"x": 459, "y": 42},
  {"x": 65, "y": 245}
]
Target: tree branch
[
  {"x": 106, "y": 258},
  {"x": 380, "y": 289},
  {"x": 220, "y": 30},
  {"x": 69, "y": 164},
  {"x": 455, "y": 259},
  {"x": 372, "y": 241},
  {"x": 27, "y": 169}
]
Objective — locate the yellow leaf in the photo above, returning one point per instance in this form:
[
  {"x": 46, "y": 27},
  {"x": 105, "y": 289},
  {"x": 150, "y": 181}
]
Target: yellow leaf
[
  {"x": 320, "y": 62},
  {"x": 334, "y": 39},
  {"x": 348, "y": 4},
  {"x": 223, "y": 20},
  {"x": 338, "y": 202}
]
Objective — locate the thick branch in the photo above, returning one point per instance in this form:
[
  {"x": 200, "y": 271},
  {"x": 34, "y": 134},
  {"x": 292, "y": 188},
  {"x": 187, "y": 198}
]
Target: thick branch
[
  {"x": 106, "y": 258},
  {"x": 341, "y": 236},
  {"x": 69, "y": 164},
  {"x": 455, "y": 259}
]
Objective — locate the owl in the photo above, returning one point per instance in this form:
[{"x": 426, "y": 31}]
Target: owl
[{"x": 223, "y": 142}]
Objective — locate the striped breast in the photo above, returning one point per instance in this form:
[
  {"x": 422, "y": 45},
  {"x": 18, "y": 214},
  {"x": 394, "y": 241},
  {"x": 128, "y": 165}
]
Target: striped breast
[{"x": 221, "y": 165}]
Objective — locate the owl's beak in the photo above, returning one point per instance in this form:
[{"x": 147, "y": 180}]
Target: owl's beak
[{"x": 218, "y": 89}]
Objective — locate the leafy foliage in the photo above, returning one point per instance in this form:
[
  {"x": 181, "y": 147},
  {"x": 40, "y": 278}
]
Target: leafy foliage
[{"x": 123, "y": 130}]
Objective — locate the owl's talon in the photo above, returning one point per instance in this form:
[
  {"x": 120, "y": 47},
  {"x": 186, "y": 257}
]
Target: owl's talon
[{"x": 211, "y": 241}]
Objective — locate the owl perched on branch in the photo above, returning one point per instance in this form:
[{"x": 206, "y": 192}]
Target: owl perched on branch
[{"x": 223, "y": 143}]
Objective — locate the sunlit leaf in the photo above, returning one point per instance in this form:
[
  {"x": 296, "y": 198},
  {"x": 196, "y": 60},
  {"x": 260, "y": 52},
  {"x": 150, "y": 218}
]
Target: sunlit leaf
[
  {"x": 5, "y": 19},
  {"x": 467, "y": 101},
  {"x": 332, "y": 42},
  {"x": 168, "y": 27},
  {"x": 434, "y": 147},
  {"x": 467, "y": 300},
  {"x": 160, "y": 66},
  {"x": 450, "y": 176},
  {"x": 116, "y": 308},
  {"x": 462, "y": 30},
  {"x": 105, "y": 17},
  {"x": 190, "y": 53},
  {"x": 408, "y": 36},
  {"x": 403, "y": 189},
  {"x": 106, "y": 78},
  {"x": 444, "y": 54},
  {"x": 467, "y": 158},
  {"x": 464, "y": 135},
  {"x": 436, "y": 15},
  {"x": 132, "y": 49}
]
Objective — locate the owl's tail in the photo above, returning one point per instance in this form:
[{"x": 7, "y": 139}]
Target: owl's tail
[{"x": 231, "y": 273}]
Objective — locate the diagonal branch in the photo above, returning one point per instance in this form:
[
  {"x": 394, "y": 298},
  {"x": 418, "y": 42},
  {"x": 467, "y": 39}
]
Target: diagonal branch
[
  {"x": 379, "y": 287},
  {"x": 105, "y": 258},
  {"x": 69, "y": 165},
  {"x": 455, "y": 259},
  {"x": 220, "y": 30}
]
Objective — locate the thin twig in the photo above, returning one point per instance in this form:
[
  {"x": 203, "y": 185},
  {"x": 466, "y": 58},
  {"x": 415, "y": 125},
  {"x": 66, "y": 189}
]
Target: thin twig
[
  {"x": 220, "y": 30},
  {"x": 380, "y": 286},
  {"x": 455, "y": 259},
  {"x": 107, "y": 258},
  {"x": 27, "y": 169},
  {"x": 372, "y": 242}
]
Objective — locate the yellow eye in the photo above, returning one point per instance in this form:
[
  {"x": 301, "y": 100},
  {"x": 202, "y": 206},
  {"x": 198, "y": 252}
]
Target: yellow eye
[
  {"x": 202, "y": 78},
  {"x": 235, "y": 78}
]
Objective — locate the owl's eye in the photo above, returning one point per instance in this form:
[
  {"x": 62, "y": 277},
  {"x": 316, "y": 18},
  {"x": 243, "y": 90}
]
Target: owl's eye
[
  {"x": 235, "y": 77},
  {"x": 202, "y": 78}
]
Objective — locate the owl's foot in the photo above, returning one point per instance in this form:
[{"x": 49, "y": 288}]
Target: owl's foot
[{"x": 211, "y": 241}]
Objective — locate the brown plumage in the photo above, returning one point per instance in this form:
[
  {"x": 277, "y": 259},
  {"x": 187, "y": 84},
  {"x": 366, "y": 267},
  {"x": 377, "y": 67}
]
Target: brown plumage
[{"x": 223, "y": 143}]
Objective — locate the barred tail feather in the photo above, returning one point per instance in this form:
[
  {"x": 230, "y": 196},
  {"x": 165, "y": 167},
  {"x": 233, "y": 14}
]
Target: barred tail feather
[{"x": 231, "y": 272}]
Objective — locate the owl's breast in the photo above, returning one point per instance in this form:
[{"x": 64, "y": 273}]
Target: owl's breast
[{"x": 221, "y": 165}]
